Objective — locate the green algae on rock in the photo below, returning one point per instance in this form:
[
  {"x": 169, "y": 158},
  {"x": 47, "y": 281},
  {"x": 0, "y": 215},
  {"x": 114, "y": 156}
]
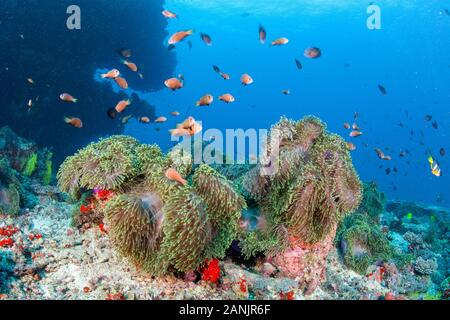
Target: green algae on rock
[{"x": 21, "y": 164}]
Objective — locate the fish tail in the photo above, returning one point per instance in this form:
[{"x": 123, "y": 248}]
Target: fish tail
[
  {"x": 67, "y": 119},
  {"x": 430, "y": 159},
  {"x": 197, "y": 103},
  {"x": 75, "y": 100},
  {"x": 191, "y": 31}
]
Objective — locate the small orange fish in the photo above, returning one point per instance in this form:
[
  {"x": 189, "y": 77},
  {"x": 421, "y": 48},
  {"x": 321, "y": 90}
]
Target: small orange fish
[
  {"x": 173, "y": 175},
  {"x": 225, "y": 76},
  {"x": 189, "y": 122},
  {"x": 121, "y": 82},
  {"x": 161, "y": 120},
  {"x": 122, "y": 105},
  {"x": 144, "y": 119},
  {"x": 180, "y": 132},
  {"x": 206, "y": 100},
  {"x": 194, "y": 129},
  {"x": 246, "y": 79},
  {"x": 355, "y": 134},
  {"x": 347, "y": 125},
  {"x": 173, "y": 84},
  {"x": 351, "y": 146},
  {"x": 75, "y": 122},
  {"x": 112, "y": 74},
  {"x": 227, "y": 98},
  {"x": 175, "y": 113},
  {"x": 67, "y": 98},
  {"x": 132, "y": 66},
  {"x": 169, "y": 15},
  {"x": 280, "y": 42},
  {"x": 180, "y": 36}
]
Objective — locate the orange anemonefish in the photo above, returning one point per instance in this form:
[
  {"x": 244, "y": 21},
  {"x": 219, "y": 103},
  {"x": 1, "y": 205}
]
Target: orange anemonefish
[{"x": 227, "y": 98}]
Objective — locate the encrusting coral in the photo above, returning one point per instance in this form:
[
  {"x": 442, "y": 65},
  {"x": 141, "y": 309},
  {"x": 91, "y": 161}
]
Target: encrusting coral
[{"x": 162, "y": 225}]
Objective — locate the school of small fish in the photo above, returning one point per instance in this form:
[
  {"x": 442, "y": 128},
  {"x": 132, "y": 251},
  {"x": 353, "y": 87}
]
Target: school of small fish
[{"x": 191, "y": 127}]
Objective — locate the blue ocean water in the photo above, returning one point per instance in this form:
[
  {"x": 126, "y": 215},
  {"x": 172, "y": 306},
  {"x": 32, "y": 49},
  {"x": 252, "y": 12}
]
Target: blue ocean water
[{"x": 408, "y": 56}]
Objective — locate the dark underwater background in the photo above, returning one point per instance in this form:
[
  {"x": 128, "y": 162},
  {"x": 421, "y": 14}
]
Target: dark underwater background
[{"x": 409, "y": 56}]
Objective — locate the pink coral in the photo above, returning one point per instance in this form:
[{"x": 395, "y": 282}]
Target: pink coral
[{"x": 304, "y": 262}]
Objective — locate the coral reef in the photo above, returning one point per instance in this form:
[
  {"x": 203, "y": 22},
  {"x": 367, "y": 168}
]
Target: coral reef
[
  {"x": 425, "y": 267},
  {"x": 21, "y": 163},
  {"x": 362, "y": 243},
  {"x": 161, "y": 225},
  {"x": 157, "y": 223},
  {"x": 300, "y": 205}
]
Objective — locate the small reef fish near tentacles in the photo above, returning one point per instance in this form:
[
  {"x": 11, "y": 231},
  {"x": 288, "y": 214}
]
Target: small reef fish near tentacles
[
  {"x": 173, "y": 175},
  {"x": 189, "y": 127}
]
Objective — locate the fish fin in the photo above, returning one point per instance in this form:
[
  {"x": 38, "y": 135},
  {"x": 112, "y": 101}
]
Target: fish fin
[{"x": 75, "y": 100}]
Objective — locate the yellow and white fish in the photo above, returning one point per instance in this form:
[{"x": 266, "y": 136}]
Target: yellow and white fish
[{"x": 434, "y": 165}]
